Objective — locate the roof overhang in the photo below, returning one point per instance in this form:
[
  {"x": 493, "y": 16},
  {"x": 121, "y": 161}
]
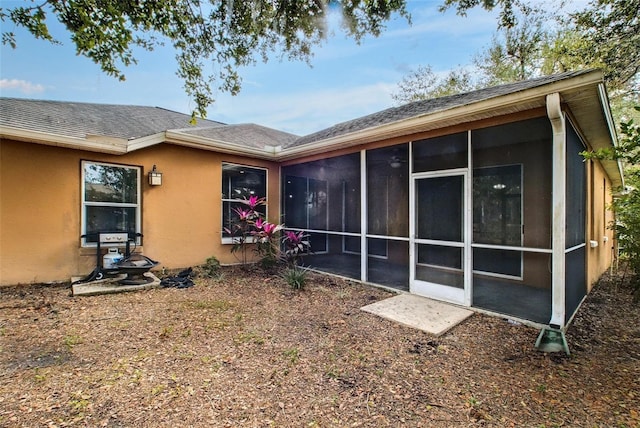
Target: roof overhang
[
  {"x": 118, "y": 146},
  {"x": 583, "y": 95},
  {"x": 92, "y": 143},
  {"x": 589, "y": 108},
  {"x": 613, "y": 168},
  {"x": 203, "y": 143}
]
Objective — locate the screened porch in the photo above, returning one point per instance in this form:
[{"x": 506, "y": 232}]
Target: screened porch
[{"x": 464, "y": 218}]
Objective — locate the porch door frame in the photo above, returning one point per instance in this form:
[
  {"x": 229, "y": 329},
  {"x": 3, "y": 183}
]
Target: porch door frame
[{"x": 439, "y": 291}]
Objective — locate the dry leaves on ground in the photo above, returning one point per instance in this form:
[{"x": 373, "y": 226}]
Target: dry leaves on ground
[{"x": 244, "y": 350}]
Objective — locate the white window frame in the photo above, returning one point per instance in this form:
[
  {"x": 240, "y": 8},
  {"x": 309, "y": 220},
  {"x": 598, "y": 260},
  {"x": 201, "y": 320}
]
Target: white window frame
[{"x": 85, "y": 203}]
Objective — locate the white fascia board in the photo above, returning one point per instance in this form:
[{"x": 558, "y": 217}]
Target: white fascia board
[
  {"x": 92, "y": 143},
  {"x": 144, "y": 142},
  {"x": 188, "y": 140},
  {"x": 606, "y": 110},
  {"x": 118, "y": 146},
  {"x": 460, "y": 114}
]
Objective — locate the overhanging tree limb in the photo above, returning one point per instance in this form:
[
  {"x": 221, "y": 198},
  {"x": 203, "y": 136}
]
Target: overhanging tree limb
[{"x": 218, "y": 35}]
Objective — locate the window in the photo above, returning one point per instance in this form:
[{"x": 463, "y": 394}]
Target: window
[
  {"x": 110, "y": 199},
  {"x": 239, "y": 183}
]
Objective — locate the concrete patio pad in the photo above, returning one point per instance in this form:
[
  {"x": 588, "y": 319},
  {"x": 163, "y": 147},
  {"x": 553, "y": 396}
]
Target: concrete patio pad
[
  {"x": 428, "y": 315},
  {"x": 110, "y": 285}
]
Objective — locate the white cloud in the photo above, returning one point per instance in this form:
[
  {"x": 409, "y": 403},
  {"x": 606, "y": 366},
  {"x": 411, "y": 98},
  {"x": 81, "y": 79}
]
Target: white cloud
[
  {"x": 21, "y": 86},
  {"x": 429, "y": 21}
]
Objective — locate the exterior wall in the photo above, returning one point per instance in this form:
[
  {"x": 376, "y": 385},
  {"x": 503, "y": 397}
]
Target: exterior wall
[
  {"x": 40, "y": 205},
  {"x": 599, "y": 216},
  {"x": 40, "y": 208}
]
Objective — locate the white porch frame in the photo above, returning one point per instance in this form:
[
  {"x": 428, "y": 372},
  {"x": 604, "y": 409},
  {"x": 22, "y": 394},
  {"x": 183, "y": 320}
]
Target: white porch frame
[{"x": 464, "y": 296}]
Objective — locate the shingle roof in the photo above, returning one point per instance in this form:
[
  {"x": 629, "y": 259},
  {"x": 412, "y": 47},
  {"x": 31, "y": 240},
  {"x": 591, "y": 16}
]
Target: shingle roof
[
  {"x": 74, "y": 119},
  {"x": 424, "y": 107},
  {"x": 247, "y": 134},
  {"x": 130, "y": 122}
]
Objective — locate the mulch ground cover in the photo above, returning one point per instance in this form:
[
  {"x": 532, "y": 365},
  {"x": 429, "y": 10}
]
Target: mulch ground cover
[{"x": 246, "y": 350}]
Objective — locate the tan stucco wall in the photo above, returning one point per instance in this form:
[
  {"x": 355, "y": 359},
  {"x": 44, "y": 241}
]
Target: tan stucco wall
[
  {"x": 40, "y": 208},
  {"x": 39, "y": 213},
  {"x": 599, "y": 217}
]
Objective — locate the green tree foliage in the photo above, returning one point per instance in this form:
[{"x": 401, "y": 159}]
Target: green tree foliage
[
  {"x": 507, "y": 15},
  {"x": 605, "y": 34},
  {"x": 516, "y": 51},
  {"x": 561, "y": 51},
  {"x": 422, "y": 83},
  {"x": 212, "y": 38},
  {"x": 611, "y": 30},
  {"x": 536, "y": 38}
]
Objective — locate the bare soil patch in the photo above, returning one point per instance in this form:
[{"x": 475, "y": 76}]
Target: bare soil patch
[{"x": 245, "y": 350}]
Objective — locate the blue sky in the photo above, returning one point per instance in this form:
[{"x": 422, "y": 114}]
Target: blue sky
[{"x": 345, "y": 81}]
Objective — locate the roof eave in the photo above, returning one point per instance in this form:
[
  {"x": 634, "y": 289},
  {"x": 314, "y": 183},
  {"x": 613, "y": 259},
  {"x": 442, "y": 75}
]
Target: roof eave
[
  {"x": 613, "y": 168},
  {"x": 117, "y": 146},
  {"x": 92, "y": 143},
  {"x": 202, "y": 143},
  {"x": 497, "y": 106},
  {"x": 147, "y": 141}
]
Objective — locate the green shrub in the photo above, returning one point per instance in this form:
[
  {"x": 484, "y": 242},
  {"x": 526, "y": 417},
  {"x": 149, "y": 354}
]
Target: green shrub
[
  {"x": 296, "y": 276},
  {"x": 211, "y": 267},
  {"x": 268, "y": 260}
]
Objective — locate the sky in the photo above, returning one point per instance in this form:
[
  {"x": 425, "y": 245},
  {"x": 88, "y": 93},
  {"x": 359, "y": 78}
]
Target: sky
[{"x": 345, "y": 80}]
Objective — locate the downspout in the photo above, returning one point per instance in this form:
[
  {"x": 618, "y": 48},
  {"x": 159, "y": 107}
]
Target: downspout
[
  {"x": 558, "y": 210},
  {"x": 552, "y": 339}
]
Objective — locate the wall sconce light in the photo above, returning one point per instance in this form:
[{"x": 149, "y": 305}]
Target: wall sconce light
[{"x": 155, "y": 177}]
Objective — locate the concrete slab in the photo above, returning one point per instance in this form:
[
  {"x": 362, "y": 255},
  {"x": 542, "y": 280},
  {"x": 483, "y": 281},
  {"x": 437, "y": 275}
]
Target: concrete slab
[
  {"x": 110, "y": 285},
  {"x": 428, "y": 315}
]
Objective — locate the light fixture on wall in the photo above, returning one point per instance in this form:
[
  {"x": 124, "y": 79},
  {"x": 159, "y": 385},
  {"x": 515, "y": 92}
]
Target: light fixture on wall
[{"x": 155, "y": 177}]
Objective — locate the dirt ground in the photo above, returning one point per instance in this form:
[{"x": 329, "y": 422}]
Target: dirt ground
[{"x": 245, "y": 350}]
